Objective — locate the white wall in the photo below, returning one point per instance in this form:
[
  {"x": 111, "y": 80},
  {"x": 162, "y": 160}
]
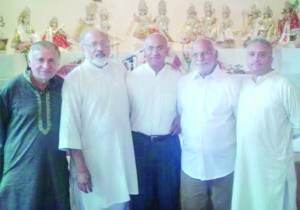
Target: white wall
[{"x": 121, "y": 14}]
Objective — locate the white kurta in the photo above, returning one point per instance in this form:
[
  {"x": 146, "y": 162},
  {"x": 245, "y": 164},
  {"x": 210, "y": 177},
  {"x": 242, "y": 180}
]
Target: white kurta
[
  {"x": 95, "y": 119},
  {"x": 265, "y": 177}
]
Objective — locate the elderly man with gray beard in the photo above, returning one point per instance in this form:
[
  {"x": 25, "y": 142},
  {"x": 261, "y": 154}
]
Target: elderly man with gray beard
[{"x": 95, "y": 128}]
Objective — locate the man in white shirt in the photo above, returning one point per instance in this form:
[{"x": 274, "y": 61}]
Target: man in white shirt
[
  {"x": 268, "y": 113},
  {"x": 207, "y": 100},
  {"x": 95, "y": 128},
  {"x": 152, "y": 90}
]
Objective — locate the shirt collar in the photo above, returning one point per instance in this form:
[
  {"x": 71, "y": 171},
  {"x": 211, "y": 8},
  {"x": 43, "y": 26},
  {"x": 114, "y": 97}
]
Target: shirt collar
[
  {"x": 263, "y": 77},
  {"x": 151, "y": 71},
  {"x": 217, "y": 73}
]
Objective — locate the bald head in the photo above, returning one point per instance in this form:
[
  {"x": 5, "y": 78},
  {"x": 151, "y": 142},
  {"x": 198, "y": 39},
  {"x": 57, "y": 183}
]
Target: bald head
[
  {"x": 203, "y": 56},
  {"x": 203, "y": 44},
  {"x": 154, "y": 37},
  {"x": 156, "y": 50}
]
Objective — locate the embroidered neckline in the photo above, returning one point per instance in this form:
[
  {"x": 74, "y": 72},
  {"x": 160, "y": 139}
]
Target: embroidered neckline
[
  {"x": 41, "y": 127},
  {"x": 38, "y": 94}
]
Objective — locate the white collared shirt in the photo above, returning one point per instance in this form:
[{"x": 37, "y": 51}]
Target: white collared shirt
[
  {"x": 207, "y": 107},
  {"x": 152, "y": 99}
]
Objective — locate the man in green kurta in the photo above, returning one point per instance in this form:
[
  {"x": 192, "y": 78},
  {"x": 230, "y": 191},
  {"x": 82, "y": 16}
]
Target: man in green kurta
[{"x": 33, "y": 172}]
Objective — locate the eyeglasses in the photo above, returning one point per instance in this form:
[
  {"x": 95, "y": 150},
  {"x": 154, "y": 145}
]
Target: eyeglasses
[
  {"x": 150, "y": 49},
  {"x": 94, "y": 45},
  {"x": 201, "y": 54}
]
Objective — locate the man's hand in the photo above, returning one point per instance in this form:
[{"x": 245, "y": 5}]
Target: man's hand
[
  {"x": 83, "y": 176},
  {"x": 84, "y": 182},
  {"x": 175, "y": 127}
]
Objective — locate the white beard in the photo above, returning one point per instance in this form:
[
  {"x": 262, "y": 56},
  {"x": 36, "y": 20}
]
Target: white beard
[{"x": 100, "y": 62}]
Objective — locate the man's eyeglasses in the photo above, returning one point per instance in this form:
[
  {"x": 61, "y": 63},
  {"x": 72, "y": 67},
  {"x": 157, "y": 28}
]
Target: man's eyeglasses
[
  {"x": 94, "y": 45},
  {"x": 151, "y": 49},
  {"x": 201, "y": 54}
]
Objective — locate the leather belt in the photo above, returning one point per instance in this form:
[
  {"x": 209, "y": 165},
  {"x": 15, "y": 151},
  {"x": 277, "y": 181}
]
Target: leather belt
[{"x": 154, "y": 138}]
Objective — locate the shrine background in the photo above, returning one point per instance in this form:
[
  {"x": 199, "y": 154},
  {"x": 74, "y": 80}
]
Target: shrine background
[{"x": 121, "y": 13}]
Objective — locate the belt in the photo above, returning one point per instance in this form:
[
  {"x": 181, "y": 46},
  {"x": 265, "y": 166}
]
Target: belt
[{"x": 155, "y": 138}]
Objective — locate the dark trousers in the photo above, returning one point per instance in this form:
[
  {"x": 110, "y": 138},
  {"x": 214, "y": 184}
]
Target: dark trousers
[{"x": 158, "y": 169}]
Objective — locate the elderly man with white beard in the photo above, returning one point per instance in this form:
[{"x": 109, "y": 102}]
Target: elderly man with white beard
[{"x": 95, "y": 129}]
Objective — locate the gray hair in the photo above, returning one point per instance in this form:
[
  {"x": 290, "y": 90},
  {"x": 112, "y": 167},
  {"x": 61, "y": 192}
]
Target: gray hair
[
  {"x": 83, "y": 35},
  {"x": 261, "y": 41},
  {"x": 37, "y": 46},
  {"x": 210, "y": 42}
]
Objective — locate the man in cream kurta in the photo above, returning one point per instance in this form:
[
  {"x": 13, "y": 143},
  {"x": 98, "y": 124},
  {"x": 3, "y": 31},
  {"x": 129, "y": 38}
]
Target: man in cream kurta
[
  {"x": 95, "y": 126},
  {"x": 268, "y": 111}
]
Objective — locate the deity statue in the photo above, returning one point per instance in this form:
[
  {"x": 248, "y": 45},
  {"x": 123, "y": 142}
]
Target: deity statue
[
  {"x": 192, "y": 27},
  {"x": 223, "y": 33},
  {"x": 3, "y": 40},
  {"x": 162, "y": 21},
  {"x": 145, "y": 25},
  {"x": 289, "y": 23},
  {"x": 56, "y": 34},
  {"x": 24, "y": 34},
  {"x": 89, "y": 22},
  {"x": 104, "y": 20},
  {"x": 208, "y": 21},
  {"x": 1, "y": 25},
  {"x": 251, "y": 29},
  {"x": 105, "y": 26},
  {"x": 267, "y": 26}
]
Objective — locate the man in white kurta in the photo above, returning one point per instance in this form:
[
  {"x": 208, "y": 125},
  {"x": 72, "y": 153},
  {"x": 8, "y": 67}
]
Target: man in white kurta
[
  {"x": 95, "y": 124},
  {"x": 268, "y": 111}
]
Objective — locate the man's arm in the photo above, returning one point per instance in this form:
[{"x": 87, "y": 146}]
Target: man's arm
[
  {"x": 4, "y": 118},
  {"x": 83, "y": 175},
  {"x": 2, "y": 141},
  {"x": 175, "y": 127}
]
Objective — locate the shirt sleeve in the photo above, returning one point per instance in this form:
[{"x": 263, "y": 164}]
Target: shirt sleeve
[
  {"x": 179, "y": 100},
  {"x": 70, "y": 123},
  {"x": 236, "y": 87},
  {"x": 291, "y": 102}
]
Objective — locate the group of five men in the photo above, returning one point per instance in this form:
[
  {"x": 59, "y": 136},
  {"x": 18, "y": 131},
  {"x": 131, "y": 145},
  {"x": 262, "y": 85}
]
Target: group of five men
[{"x": 233, "y": 151}]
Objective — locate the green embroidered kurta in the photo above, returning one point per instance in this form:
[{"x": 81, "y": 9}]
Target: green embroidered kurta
[{"x": 34, "y": 172}]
